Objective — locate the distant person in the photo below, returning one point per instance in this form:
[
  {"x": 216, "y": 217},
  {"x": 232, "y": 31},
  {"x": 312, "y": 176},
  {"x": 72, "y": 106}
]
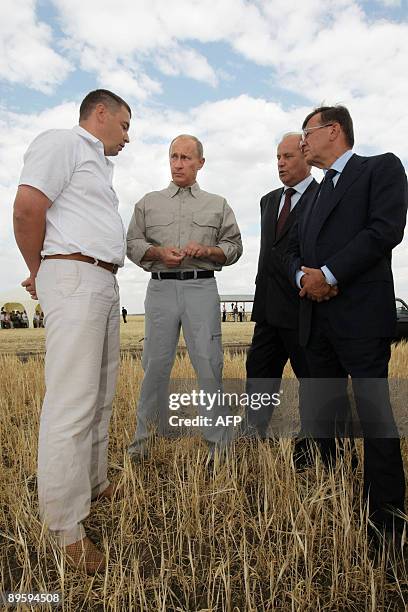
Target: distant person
[
  {"x": 124, "y": 314},
  {"x": 181, "y": 235},
  {"x": 71, "y": 236},
  {"x": 276, "y": 303},
  {"x": 344, "y": 240},
  {"x": 2, "y": 319},
  {"x": 24, "y": 319},
  {"x": 224, "y": 313},
  {"x": 241, "y": 314}
]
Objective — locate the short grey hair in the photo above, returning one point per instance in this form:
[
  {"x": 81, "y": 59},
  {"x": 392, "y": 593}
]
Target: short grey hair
[{"x": 199, "y": 144}]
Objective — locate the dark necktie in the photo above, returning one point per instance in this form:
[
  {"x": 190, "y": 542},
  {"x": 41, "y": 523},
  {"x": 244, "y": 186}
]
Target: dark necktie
[
  {"x": 326, "y": 189},
  {"x": 284, "y": 213}
]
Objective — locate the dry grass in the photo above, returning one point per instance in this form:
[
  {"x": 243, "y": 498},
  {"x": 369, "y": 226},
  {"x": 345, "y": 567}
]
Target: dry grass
[
  {"x": 252, "y": 535},
  {"x": 131, "y": 336}
]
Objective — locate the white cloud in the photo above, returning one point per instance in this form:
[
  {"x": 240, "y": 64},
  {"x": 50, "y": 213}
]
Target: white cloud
[
  {"x": 332, "y": 52},
  {"x": 124, "y": 32},
  {"x": 26, "y": 55},
  {"x": 186, "y": 61},
  {"x": 370, "y": 63},
  {"x": 323, "y": 51}
]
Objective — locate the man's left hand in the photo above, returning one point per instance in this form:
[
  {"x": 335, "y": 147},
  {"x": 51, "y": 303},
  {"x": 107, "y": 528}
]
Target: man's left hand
[
  {"x": 195, "y": 249},
  {"x": 315, "y": 286}
]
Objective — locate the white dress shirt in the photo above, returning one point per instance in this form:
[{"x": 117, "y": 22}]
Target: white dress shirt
[
  {"x": 300, "y": 189},
  {"x": 70, "y": 168}
]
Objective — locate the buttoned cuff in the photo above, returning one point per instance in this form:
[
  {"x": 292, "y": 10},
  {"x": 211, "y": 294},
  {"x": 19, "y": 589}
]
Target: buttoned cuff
[
  {"x": 299, "y": 275},
  {"x": 331, "y": 280}
]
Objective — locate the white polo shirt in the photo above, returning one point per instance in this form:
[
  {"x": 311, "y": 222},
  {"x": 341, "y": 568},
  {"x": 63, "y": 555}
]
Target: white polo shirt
[{"x": 70, "y": 168}]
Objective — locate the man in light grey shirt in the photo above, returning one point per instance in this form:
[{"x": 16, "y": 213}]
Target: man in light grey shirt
[{"x": 181, "y": 235}]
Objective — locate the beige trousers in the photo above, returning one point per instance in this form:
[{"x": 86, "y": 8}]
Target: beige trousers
[{"x": 81, "y": 307}]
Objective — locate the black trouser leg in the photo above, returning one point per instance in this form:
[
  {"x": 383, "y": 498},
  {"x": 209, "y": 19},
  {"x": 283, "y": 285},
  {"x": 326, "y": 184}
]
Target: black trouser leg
[
  {"x": 366, "y": 361},
  {"x": 270, "y": 349},
  {"x": 328, "y": 414},
  {"x": 384, "y": 480},
  {"x": 265, "y": 360}
]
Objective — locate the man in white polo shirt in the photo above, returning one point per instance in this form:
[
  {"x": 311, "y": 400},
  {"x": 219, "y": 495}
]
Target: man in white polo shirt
[{"x": 69, "y": 231}]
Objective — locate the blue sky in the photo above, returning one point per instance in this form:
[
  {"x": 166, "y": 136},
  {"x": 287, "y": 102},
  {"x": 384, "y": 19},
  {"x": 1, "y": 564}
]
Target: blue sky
[{"x": 236, "y": 73}]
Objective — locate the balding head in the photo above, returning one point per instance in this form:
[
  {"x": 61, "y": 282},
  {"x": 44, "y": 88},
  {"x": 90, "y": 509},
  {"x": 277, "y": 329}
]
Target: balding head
[
  {"x": 186, "y": 159},
  {"x": 198, "y": 143},
  {"x": 292, "y": 166}
]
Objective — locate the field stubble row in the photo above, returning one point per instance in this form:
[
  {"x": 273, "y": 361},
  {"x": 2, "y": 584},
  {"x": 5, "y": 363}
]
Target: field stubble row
[{"x": 251, "y": 535}]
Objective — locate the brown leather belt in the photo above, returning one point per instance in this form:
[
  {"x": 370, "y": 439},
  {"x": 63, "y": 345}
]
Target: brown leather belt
[{"x": 91, "y": 260}]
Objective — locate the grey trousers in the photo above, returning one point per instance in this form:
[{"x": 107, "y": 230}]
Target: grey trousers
[{"x": 169, "y": 305}]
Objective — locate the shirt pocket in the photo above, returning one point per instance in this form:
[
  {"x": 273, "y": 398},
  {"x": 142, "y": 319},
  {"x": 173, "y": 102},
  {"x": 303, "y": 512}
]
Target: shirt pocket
[
  {"x": 205, "y": 227},
  {"x": 159, "y": 228}
]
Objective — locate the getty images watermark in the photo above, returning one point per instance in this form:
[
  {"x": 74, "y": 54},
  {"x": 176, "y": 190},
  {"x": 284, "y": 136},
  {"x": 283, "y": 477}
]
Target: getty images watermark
[{"x": 217, "y": 401}]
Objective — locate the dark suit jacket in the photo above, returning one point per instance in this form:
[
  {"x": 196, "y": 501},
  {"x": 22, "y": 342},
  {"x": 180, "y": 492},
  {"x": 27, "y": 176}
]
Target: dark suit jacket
[
  {"x": 276, "y": 301},
  {"x": 354, "y": 237}
]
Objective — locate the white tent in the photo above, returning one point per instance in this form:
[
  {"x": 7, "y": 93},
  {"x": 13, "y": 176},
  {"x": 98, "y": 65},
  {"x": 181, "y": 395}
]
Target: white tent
[{"x": 20, "y": 296}]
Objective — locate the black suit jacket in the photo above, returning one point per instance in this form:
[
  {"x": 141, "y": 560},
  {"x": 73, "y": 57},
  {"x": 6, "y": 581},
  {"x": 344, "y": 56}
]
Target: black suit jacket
[
  {"x": 276, "y": 301},
  {"x": 354, "y": 237}
]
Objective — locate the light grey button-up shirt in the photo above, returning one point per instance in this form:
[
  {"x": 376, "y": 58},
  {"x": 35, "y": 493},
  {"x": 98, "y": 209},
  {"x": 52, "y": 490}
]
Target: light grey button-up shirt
[{"x": 174, "y": 216}]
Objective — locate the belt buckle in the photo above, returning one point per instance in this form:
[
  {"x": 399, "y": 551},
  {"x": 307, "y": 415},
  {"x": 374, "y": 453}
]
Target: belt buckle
[
  {"x": 115, "y": 268},
  {"x": 182, "y": 273}
]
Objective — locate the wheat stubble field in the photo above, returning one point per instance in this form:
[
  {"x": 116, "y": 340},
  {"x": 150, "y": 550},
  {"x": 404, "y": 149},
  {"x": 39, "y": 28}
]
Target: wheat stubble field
[{"x": 249, "y": 535}]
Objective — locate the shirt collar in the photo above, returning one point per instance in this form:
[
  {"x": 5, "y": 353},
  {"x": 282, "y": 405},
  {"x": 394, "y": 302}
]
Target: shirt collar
[
  {"x": 93, "y": 139},
  {"x": 85, "y": 134},
  {"x": 173, "y": 189},
  {"x": 340, "y": 162},
  {"x": 302, "y": 186}
]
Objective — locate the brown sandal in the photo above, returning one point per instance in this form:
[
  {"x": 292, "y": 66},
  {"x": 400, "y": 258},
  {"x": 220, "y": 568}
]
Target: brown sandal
[{"x": 83, "y": 555}]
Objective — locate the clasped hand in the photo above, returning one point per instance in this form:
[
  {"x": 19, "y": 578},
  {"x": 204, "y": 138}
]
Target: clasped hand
[
  {"x": 315, "y": 287},
  {"x": 173, "y": 256}
]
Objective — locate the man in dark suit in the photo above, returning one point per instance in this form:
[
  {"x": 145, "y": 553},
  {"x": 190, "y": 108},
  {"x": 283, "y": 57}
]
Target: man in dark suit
[
  {"x": 344, "y": 241},
  {"x": 276, "y": 302}
]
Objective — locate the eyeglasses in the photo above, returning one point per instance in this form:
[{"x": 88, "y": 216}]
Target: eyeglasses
[{"x": 306, "y": 131}]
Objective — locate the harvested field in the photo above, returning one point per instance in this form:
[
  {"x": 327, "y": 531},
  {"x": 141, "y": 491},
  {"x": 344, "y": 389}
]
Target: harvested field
[
  {"x": 32, "y": 341},
  {"x": 249, "y": 535}
]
